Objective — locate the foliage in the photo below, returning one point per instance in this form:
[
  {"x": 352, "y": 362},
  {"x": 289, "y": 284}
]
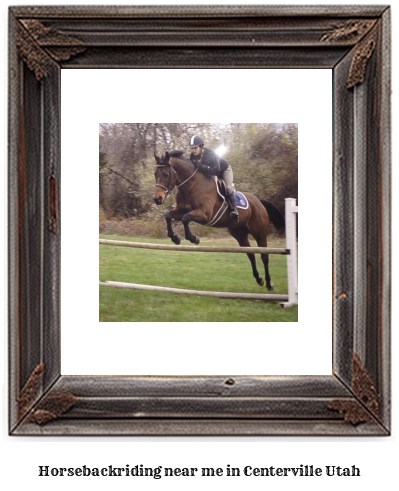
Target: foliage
[{"x": 264, "y": 157}]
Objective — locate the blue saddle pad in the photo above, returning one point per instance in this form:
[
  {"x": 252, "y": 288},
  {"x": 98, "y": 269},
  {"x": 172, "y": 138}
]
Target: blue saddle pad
[{"x": 242, "y": 201}]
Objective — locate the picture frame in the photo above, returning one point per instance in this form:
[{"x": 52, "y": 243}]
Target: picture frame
[{"x": 352, "y": 41}]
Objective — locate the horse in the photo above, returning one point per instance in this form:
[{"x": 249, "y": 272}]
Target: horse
[{"x": 198, "y": 200}]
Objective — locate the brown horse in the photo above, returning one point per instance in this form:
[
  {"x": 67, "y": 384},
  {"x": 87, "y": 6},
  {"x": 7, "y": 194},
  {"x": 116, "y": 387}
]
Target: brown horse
[{"x": 198, "y": 200}]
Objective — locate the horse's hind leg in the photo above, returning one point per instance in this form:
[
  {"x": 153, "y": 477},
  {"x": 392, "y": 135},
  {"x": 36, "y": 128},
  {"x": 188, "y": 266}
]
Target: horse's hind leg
[
  {"x": 265, "y": 259},
  {"x": 262, "y": 242},
  {"x": 241, "y": 236}
]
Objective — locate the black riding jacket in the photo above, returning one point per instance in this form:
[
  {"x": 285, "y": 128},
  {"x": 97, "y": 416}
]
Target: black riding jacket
[{"x": 209, "y": 163}]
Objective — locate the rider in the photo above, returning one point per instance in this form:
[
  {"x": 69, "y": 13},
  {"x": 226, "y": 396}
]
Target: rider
[{"x": 210, "y": 164}]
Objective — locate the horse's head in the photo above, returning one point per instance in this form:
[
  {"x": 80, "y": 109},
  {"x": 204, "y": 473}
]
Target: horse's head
[{"x": 165, "y": 178}]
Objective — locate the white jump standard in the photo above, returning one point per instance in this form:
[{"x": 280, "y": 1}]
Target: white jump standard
[{"x": 291, "y": 212}]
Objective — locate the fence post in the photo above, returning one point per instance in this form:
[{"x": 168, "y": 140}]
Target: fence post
[{"x": 291, "y": 211}]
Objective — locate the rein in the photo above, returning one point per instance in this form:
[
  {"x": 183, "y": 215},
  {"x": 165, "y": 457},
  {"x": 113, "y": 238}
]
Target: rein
[{"x": 192, "y": 175}]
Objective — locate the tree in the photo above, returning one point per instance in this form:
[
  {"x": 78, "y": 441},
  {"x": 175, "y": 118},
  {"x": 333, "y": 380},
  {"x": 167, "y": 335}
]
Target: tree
[{"x": 264, "y": 157}]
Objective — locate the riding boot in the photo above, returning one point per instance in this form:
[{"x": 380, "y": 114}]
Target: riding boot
[{"x": 233, "y": 206}]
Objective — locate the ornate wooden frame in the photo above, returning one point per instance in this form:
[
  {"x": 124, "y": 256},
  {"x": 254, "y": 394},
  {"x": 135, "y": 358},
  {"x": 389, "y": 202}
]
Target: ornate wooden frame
[{"x": 352, "y": 41}]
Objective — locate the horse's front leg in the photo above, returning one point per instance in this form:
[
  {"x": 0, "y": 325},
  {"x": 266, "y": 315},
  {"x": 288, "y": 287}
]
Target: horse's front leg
[
  {"x": 173, "y": 215},
  {"x": 197, "y": 216}
]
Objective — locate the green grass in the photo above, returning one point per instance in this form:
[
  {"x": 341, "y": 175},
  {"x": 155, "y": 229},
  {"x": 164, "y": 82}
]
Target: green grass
[{"x": 193, "y": 271}]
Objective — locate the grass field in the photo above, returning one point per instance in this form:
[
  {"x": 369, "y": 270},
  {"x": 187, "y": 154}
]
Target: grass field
[{"x": 193, "y": 271}]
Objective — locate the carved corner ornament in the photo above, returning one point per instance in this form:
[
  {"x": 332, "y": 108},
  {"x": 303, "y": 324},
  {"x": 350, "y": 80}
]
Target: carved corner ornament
[
  {"x": 39, "y": 46},
  {"x": 363, "y": 34},
  {"x": 362, "y": 54},
  {"x": 367, "y": 406},
  {"x": 30, "y": 390},
  {"x": 351, "y": 31},
  {"x": 50, "y": 408}
]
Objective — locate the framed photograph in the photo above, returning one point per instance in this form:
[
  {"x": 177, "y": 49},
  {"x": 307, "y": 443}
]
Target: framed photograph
[
  {"x": 148, "y": 46},
  {"x": 159, "y": 197}
]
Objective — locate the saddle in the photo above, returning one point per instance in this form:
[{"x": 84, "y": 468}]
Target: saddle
[
  {"x": 221, "y": 187},
  {"x": 241, "y": 199}
]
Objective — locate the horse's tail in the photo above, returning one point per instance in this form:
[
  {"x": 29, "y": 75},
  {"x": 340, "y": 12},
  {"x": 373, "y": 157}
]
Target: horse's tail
[{"x": 275, "y": 215}]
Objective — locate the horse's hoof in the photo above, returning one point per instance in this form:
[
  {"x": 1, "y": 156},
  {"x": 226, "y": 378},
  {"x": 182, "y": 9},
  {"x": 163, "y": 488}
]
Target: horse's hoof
[
  {"x": 176, "y": 240},
  {"x": 270, "y": 287},
  {"x": 261, "y": 282},
  {"x": 196, "y": 240}
]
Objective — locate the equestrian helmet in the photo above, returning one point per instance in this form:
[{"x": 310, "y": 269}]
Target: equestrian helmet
[{"x": 196, "y": 141}]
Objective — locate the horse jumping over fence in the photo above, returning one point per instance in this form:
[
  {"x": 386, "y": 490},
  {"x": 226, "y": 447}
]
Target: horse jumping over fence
[{"x": 198, "y": 200}]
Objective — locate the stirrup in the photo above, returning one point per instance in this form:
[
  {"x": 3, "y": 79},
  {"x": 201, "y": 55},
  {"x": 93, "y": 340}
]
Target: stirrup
[{"x": 234, "y": 215}]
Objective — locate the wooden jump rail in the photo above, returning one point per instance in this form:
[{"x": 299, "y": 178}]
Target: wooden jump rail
[
  {"x": 166, "y": 247},
  {"x": 291, "y": 209},
  {"x": 247, "y": 296}
]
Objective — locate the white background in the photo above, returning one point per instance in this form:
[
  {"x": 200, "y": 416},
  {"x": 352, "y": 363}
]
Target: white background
[
  {"x": 302, "y": 348},
  {"x": 376, "y": 457}
]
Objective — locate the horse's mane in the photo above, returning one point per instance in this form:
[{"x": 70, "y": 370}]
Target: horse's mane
[{"x": 177, "y": 154}]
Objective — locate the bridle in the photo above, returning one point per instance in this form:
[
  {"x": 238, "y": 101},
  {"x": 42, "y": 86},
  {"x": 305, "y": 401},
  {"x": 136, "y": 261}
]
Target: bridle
[{"x": 169, "y": 189}]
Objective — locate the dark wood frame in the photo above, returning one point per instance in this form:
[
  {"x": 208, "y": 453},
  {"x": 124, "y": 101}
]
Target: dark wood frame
[{"x": 353, "y": 41}]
